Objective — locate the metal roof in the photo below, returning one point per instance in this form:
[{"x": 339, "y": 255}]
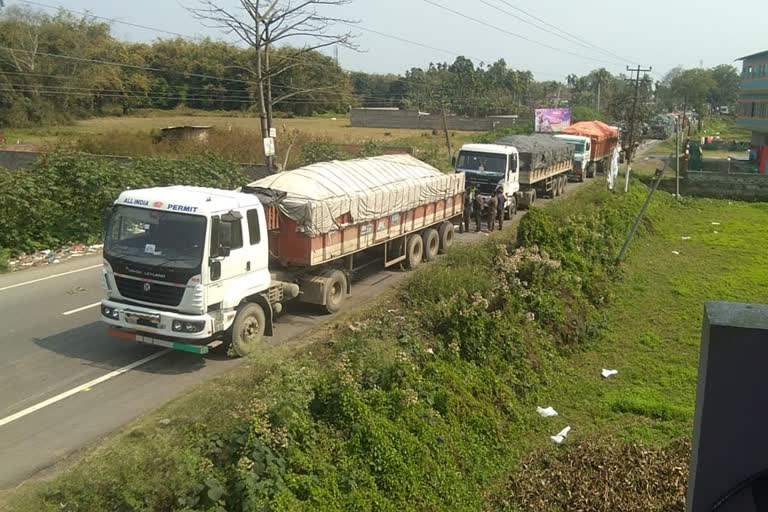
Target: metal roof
[{"x": 753, "y": 55}]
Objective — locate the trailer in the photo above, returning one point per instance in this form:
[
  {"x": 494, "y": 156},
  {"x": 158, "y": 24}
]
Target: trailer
[
  {"x": 523, "y": 166},
  {"x": 195, "y": 268},
  {"x": 603, "y": 139}
]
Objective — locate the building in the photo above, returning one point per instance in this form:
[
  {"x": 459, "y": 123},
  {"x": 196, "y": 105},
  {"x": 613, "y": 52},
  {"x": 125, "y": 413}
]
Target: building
[{"x": 753, "y": 105}]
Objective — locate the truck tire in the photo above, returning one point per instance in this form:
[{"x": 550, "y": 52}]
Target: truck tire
[
  {"x": 248, "y": 329},
  {"x": 555, "y": 187},
  {"x": 335, "y": 291},
  {"x": 581, "y": 176},
  {"x": 446, "y": 233},
  {"x": 563, "y": 184},
  {"x": 591, "y": 170},
  {"x": 431, "y": 241},
  {"x": 414, "y": 251},
  {"x": 512, "y": 208}
]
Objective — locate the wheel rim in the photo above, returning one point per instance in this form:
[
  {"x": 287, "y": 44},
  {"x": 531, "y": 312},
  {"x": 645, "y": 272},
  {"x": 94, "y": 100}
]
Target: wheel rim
[
  {"x": 336, "y": 292},
  {"x": 250, "y": 334}
]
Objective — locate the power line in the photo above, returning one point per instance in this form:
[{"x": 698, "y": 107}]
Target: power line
[
  {"x": 560, "y": 30},
  {"x": 518, "y": 36}
]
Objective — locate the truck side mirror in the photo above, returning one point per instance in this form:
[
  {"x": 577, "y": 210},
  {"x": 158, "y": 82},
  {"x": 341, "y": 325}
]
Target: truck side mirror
[
  {"x": 225, "y": 237},
  {"x": 106, "y": 216}
]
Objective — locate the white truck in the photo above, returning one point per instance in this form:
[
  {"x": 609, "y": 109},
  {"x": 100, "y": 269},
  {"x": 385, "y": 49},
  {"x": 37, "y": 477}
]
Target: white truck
[
  {"x": 524, "y": 166},
  {"x": 193, "y": 268},
  {"x": 582, "y": 148}
]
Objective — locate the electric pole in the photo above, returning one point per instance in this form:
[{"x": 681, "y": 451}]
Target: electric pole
[{"x": 631, "y": 149}]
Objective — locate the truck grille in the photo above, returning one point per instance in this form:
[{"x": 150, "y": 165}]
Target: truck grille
[{"x": 157, "y": 293}]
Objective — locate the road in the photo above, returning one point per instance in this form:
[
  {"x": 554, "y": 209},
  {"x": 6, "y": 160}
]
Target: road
[{"x": 64, "y": 383}]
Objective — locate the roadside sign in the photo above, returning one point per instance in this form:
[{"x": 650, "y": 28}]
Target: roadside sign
[
  {"x": 269, "y": 146},
  {"x": 273, "y": 133}
]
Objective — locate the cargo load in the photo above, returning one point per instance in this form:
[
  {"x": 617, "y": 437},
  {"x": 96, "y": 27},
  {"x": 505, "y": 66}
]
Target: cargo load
[
  {"x": 318, "y": 196},
  {"x": 538, "y": 151},
  {"x": 603, "y": 139}
]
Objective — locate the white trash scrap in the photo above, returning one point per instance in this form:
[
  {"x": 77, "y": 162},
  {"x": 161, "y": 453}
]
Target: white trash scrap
[
  {"x": 607, "y": 373},
  {"x": 560, "y": 436},
  {"x": 548, "y": 412},
  {"x": 715, "y": 223},
  {"x": 686, "y": 238},
  {"x": 676, "y": 253}
]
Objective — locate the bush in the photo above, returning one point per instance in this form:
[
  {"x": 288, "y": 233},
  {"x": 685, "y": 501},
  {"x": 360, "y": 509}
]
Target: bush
[
  {"x": 320, "y": 151},
  {"x": 370, "y": 148},
  {"x": 5, "y": 256},
  {"x": 62, "y": 197}
]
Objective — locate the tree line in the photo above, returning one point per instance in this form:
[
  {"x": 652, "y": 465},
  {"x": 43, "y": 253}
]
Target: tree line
[{"x": 54, "y": 68}]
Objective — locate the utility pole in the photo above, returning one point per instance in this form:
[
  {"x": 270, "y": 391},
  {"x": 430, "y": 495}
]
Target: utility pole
[
  {"x": 598, "y": 96},
  {"x": 631, "y": 150},
  {"x": 677, "y": 158},
  {"x": 447, "y": 135}
]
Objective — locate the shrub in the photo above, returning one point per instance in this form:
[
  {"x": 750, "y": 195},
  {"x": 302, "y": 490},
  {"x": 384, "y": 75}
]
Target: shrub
[
  {"x": 370, "y": 148},
  {"x": 62, "y": 197},
  {"x": 320, "y": 151}
]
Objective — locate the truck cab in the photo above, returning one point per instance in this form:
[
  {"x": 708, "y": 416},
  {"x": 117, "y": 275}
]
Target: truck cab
[
  {"x": 488, "y": 166},
  {"x": 582, "y": 151},
  {"x": 179, "y": 261}
]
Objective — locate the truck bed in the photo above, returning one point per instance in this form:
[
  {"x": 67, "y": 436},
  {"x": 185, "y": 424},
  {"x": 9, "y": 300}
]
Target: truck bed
[{"x": 533, "y": 176}]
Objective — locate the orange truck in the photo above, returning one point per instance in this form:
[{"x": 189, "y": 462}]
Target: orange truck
[{"x": 603, "y": 139}]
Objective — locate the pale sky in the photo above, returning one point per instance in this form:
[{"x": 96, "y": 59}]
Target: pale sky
[{"x": 657, "y": 33}]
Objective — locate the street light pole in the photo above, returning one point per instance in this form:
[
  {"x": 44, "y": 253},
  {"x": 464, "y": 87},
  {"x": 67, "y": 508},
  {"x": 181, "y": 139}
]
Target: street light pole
[{"x": 677, "y": 158}]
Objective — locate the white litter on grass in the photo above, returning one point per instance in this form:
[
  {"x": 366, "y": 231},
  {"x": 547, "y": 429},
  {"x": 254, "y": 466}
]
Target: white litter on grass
[
  {"x": 686, "y": 238},
  {"x": 715, "y": 232},
  {"x": 429, "y": 351},
  {"x": 676, "y": 253},
  {"x": 715, "y": 223},
  {"x": 548, "y": 412},
  {"x": 607, "y": 373},
  {"x": 560, "y": 436}
]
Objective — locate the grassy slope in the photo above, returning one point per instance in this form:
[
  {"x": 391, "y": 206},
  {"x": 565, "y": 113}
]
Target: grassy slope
[{"x": 654, "y": 324}]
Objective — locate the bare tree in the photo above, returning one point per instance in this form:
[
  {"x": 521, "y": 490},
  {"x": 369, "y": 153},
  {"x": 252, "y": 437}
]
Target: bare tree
[{"x": 266, "y": 24}]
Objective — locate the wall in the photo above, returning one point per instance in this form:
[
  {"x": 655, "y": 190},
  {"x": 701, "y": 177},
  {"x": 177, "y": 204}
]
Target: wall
[
  {"x": 746, "y": 187},
  {"x": 408, "y": 119},
  {"x": 25, "y": 159}
]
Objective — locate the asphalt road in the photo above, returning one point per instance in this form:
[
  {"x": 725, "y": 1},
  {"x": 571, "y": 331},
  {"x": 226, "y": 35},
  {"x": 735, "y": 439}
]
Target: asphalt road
[{"x": 64, "y": 383}]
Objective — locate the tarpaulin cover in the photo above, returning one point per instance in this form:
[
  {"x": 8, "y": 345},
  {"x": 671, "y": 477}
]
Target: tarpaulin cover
[
  {"x": 369, "y": 188},
  {"x": 539, "y": 150},
  {"x": 595, "y": 130}
]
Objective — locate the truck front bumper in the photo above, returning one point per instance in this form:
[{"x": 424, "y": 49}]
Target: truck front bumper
[{"x": 151, "y": 322}]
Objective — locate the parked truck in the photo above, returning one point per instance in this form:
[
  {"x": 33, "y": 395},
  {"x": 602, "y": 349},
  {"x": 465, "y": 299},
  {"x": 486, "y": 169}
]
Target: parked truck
[
  {"x": 194, "y": 268},
  {"x": 525, "y": 166},
  {"x": 603, "y": 139}
]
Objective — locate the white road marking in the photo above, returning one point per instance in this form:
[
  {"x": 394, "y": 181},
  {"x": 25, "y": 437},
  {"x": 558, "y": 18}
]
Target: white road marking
[
  {"x": 89, "y": 306},
  {"x": 49, "y": 277},
  {"x": 83, "y": 387}
]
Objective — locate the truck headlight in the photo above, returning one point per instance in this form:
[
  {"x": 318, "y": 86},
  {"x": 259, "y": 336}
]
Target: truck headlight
[
  {"x": 190, "y": 327},
  {"x": 109, "y": 312}
]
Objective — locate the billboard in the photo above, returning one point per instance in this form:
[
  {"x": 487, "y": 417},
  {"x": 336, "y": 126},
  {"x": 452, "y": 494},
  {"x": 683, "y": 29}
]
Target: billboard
[{"x": 552, "y": 120}]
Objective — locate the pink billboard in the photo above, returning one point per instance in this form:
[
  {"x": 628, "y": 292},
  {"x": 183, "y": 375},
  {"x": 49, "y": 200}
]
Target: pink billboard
[{"x": 549, "y": 120}]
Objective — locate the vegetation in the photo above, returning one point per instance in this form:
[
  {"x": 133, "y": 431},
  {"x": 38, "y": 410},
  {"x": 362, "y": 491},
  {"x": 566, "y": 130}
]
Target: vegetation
[
  {"x": 62, "y": 198},
  {"x": 426, "y": 399}
]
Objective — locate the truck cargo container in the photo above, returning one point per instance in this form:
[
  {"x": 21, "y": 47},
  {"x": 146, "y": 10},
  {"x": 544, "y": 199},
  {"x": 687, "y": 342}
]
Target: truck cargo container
[
  {"x": 525, "y": 166},
  {"x": 194, "y": 268},
  {"x": 603, "y": 139}
]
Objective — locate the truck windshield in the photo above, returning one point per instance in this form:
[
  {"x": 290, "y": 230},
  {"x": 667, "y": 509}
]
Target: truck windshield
[
  {"x": 578, "y": 147},
  {"x": 156, "y": 238},
  {"x": 476, "y": 161}
]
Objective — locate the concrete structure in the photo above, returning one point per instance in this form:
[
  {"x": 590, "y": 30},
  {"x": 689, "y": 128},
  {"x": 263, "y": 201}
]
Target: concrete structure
[
  {"x": 177, "y": 133},
  {"x": 753, "y": 105},
  {"x": 729, "y": 448},
  {"x": 411, "y": 119},
  {"x": 741, "y": 187}
]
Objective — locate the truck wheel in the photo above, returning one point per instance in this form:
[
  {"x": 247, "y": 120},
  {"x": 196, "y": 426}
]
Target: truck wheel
[
  {"x": 446, "y": 233},
  {"x": 414, "y": 251},
  {"x": 431, "y": 241},
  {"x": 563, "y": 185},
  {"x": 591, "y": 170},
  {"x": 581, "y": 177},
  {"x": 555, "y": 187},
  {"x": 512, "y": 208},
  {"x": 248, "y": 330},
  {"x": 335, "y": 291}
]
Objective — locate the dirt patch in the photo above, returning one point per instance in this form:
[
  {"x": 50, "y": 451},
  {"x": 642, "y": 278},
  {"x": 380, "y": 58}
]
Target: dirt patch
[{"x": 600, "y": 474}]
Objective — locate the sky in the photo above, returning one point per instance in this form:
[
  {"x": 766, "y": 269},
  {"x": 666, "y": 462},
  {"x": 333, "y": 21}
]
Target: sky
[{"x": 660, "y": 34}]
